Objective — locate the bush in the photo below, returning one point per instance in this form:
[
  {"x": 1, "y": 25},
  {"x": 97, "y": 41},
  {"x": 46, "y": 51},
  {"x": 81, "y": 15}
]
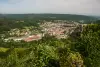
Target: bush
[{"x": 88, "y": 45}]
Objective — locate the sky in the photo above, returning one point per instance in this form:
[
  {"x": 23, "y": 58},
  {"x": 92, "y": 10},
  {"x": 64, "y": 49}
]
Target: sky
[{"x": 83, "y": 7}]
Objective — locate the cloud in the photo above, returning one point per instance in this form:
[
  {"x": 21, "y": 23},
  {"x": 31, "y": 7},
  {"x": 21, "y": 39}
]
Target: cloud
[
  {"x": 14, "y": 1},
  {"x": 90, "y": 7}
]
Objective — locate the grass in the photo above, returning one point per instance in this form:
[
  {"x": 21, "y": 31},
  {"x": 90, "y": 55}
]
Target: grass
[
  {"x": 16, "y": 49},
  {"x": 3, "y": 49}
]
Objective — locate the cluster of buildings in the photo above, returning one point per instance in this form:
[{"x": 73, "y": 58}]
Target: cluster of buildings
[
  {"x": 26, "y": 34},
  {"x": 58, "y": 29},
  {"x": 26, "y": 31}
]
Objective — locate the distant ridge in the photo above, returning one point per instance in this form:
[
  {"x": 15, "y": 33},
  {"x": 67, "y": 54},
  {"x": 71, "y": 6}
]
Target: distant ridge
[{"x": 48, "y": 16}]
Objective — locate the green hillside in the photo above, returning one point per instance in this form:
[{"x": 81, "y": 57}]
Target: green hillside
[{"x": 48, "y": 16}]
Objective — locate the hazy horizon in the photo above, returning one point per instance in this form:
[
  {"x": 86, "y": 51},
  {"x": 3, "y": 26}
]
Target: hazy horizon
[{"x": 78, "y": 7}]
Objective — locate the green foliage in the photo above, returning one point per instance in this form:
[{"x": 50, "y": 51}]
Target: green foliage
[
  {"x": 38, "y": 56},
  {"x": 88, "y": 45},
  {"x": 49, "y": 51},
  {"x": 70, "y": 58},
  {"x": 43, "y": 53},
  {"x": 49, "y": 17}
]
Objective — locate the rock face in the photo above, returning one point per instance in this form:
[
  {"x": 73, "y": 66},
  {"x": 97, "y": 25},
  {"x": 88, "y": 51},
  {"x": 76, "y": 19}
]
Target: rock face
[{"x": 76, "y": 32}]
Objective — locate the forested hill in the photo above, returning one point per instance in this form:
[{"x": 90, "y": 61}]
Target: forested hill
[{"x": 48, "y": 16}]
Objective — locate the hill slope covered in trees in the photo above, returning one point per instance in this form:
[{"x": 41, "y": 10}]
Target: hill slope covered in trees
[{"x": 48, "y": 16}]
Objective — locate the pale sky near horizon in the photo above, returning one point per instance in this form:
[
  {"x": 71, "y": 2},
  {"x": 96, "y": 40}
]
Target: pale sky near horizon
[{"x": 85, "y": 7}]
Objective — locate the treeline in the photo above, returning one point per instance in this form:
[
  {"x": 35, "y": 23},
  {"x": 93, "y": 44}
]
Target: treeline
[
  {"x": 49, "y": 16},
  {"x": 88, "y": 44},
  {"x": 8, "y": 24}
]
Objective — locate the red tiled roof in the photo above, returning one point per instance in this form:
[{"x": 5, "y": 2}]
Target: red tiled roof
[{"x": 34, "y": 37}]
